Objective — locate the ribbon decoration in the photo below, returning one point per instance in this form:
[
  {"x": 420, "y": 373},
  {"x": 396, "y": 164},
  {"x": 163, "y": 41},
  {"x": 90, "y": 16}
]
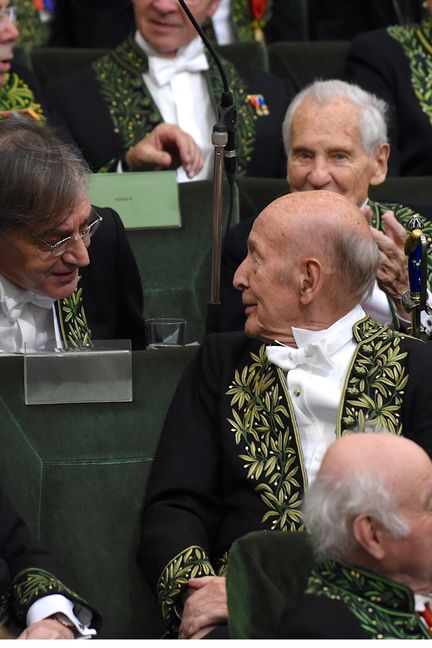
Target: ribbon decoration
[{"x": 258, "y": 9}]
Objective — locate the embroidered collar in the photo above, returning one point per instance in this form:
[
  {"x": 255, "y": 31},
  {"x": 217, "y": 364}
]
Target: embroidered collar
[{"x": 356, "y": 581}]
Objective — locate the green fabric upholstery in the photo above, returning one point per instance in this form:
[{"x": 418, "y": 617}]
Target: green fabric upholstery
[
  {"x": 404, "y": 190},
  {"x": 257, "y": 193},
  {"x": 77, "y": 474},
  {"x": 262, "y": 568},
  {"x": 51, "y": 63},
  {"x": 175, "y": 264},
  {"x": 253, "y": 54},
  {"x": 305, "y": 61}
]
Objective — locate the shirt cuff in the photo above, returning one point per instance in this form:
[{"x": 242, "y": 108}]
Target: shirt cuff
[{"x": 48, "y": 605}]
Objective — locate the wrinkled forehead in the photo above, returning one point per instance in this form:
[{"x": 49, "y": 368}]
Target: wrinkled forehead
[{"x": 337, "y": 116}]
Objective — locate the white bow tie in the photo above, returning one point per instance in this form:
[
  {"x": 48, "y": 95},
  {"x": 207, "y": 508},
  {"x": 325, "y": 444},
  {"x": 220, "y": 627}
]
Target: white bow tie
[
  {"x": 13, "y": 308},
  {"x": 162, "y": 69},
  {"x": 313, "y": 355}
]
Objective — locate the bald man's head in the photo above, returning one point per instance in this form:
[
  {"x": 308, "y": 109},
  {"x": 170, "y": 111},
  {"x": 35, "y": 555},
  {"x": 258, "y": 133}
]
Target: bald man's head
[
  {"x": 316, "y": 244},
  {"x": 371, "y": 505}
]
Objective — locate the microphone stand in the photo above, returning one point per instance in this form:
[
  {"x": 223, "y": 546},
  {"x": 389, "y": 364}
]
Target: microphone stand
[{"x": 223, "y": 140}]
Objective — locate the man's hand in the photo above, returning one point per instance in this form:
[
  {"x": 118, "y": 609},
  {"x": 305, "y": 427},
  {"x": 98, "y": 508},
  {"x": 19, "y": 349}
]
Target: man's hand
[
  {"x": 392, "y": 272},
  {"x": 47, "y": 629},
  {"x": 166, "y": 147},
  {"x": 205, "y": 606}
]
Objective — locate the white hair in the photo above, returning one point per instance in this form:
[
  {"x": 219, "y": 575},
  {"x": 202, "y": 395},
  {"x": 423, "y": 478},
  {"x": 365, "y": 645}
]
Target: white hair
[
  {"x": 334, "y": 501},
  {"x": 373, "y": 128}
]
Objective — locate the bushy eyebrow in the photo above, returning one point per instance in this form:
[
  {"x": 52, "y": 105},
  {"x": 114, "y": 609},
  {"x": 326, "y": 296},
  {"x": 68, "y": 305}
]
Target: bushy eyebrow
[{"x": 58, "y": 233}]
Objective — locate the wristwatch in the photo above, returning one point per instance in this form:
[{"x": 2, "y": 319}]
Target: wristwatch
[
  {"x": 65, "y": 621},
  {"x": 406, "y": 301}
]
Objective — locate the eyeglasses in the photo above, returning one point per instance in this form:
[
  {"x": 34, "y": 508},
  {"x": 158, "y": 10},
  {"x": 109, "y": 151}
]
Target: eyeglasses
[
  {"x": 9, "y": 13},
  {"x": 59, "y": 248}
]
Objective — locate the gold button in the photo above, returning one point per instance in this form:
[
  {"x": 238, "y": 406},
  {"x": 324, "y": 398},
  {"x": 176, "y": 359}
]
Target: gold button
[{"x": 297, "y": 391}]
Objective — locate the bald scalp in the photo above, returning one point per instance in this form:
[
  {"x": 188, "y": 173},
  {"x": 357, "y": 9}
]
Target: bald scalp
[
  {"x": 325, "y": 226},
  {"x": 384, "y": 455}
]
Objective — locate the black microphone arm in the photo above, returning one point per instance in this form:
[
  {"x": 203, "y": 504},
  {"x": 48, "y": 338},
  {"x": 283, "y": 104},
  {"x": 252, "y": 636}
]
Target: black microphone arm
[
  {"x": 227, "y": 110},
  {"x": 223, "y": 139}
]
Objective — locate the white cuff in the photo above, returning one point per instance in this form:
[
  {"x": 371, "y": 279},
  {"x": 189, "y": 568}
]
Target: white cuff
[{"x": 48, "y": 605}]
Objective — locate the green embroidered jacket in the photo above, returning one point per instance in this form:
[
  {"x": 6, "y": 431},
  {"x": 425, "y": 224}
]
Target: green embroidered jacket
[
  {"x": 383, "y": 608},
  {"x": 230, "y": 457}
]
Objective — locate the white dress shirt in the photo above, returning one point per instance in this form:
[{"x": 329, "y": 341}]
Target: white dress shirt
[
  {"x": 27, "y": 319},
  {"x": 222, "y": 23},
  {"x": 179, "y": 90},
  {"x": 315, "y": 384}
]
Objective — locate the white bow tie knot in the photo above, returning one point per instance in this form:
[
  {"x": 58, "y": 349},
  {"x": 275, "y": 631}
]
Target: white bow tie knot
[
  {"x": 162, "y": 69},
  {"x": 313, "y": 355}
]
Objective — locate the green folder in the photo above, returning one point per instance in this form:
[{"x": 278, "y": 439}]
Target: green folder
[{"x": 142, "y": 199}]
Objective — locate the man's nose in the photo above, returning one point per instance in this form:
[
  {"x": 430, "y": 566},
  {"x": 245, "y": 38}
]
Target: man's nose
[
  {"x": 8, "y": 31},
  {"x": 240, "y": 281},
  {"x": 77, "y": 253},
  {"x": 166, "y": 6},
  {"x": 319, "y": 175}
]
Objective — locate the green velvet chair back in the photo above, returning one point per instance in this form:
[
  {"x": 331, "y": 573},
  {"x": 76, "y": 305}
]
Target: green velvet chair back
[
  {"x": 404, "y": 190},
  {"x": 50, "y": 63},
  {"x": 175, "y": 264},
  {"x": 257, "y": 193},
  {"x": 253, "y": 54},
  {"x": 305, "y": 61},
  {"x": 262, "y": 568},
  {"x": 77, "y": 474}
]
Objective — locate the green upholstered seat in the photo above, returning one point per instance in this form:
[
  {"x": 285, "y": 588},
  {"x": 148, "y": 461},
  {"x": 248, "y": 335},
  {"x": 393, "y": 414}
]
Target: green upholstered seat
[
  {"x": 257, "y": 193},
  {"x": 50, "y": 63},
  {"x": 262, "y": 568},
  {"x": 77, "y": 474},
  {"x": 175, "y": 264},
  {"x": 404, "y": 190},
  {"x": 305, "y": 61},
  {"x": 253, "y": 54}
]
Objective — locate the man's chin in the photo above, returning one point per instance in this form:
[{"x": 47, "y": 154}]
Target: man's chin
[{"x": 62, "y": 290}]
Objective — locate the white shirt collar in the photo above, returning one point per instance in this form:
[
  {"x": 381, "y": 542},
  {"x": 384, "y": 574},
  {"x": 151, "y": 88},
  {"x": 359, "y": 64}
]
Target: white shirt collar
[
  {"x": 336, "y": 335},
  {"x": 193, "y": 48}
]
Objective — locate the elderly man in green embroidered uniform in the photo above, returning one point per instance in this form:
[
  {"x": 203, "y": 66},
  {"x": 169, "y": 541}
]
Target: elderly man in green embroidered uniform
[
  {"x": 369, "y": 515},
  {"x": 162, "y": 75},
  {"x": 335, "y": 137},
  {"x": 254, "y": 414}
]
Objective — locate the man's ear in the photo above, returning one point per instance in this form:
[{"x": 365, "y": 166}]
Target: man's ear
[
  {"x": 309, "y": 280},
  {"x": 370, "y": 535},
  {"x": 379, "y": 162}
]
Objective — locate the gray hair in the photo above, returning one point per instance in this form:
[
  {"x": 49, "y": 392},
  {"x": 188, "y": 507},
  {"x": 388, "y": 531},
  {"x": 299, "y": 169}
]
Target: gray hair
[
  {"x": 332, "y": 504},
  {"x": 373, "y": 128},
  {"x": 41, "y": 178},
  {"x": 354, "y": 260}
]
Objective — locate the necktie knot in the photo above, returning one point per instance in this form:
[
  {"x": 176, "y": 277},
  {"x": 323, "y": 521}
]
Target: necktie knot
[
  {"x": 162, "y": 69},
  {"x": 312, "y": 355}
]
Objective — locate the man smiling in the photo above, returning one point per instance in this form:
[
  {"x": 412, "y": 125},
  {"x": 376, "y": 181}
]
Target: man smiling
[
  {"x": 160, "y": 77},
  {"x": 49, "y": 292},
  {"x": 335, "y": 137}
]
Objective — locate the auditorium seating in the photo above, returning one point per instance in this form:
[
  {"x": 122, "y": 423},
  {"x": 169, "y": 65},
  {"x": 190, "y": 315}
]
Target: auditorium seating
[
  {"x": 256, "y": 193},
  {"x": 175, "y": 264},
  {"x": 265, "y": 569},
  {"x": 77, "y": 475}
]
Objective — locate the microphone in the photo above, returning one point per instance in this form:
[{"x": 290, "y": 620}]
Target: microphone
[{"x": 227, "y": 113}]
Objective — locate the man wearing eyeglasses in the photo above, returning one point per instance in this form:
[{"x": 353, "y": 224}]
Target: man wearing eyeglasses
[
  {"x": 161, "y": 76},
  {"x": 50, "y": 293}
]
